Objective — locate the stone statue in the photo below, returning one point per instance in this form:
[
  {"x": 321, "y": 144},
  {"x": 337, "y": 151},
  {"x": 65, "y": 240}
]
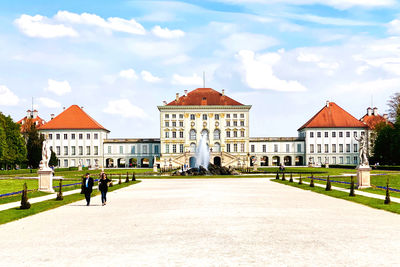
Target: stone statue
[
  {"x": 363, "y": 150},
  {"x": 46, "y": 153}
]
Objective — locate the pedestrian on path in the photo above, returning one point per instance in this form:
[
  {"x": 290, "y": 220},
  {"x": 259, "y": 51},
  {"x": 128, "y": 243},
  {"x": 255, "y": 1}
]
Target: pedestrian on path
[
  {"x": 103, "y": 187},
  {"x": 88, "y": 188}
]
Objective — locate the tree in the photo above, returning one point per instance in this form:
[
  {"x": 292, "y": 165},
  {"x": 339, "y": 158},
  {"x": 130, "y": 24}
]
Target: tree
[
  {"x": 34, "y": 145},
  {"x": 394, "y": 107},
  {"x": 53, "y": 159}
]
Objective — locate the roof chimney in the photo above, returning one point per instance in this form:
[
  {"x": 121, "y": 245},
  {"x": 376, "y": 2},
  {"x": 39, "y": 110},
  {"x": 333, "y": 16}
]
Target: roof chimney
[
  {"x": 81, "y": 107},
  {"x": 375, "y": 111},
  {"x": 51, "y": 116},
  {"x": 327, "y": 103},
  {"x": 186, "y": 92},
  {"x": 223, "y": 92},
  {"x": 165, "y": 103},
  {"x": 369, "y": 111},
  {"x": 385, "y": 116},
  {"x": 35, "y": 114},
  {"x": 177, "y": 97},
  {"x": 63, "y": 108},
  {"x": 28, "y": 113}
]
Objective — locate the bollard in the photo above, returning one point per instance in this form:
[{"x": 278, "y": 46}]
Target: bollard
[
  {"x": 352, "y": 194},
  {"x": 312, "y": 181},
  {"x": 328, "y": 184}
]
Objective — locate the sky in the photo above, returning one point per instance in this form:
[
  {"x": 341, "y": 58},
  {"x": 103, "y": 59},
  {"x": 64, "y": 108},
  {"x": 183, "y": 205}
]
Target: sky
[{"x": 120, "y": 59}]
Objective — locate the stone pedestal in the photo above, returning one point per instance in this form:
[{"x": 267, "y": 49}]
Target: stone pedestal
[
  {"x": 363, "y": 177},
  {"x": 255, "y": 167},
  {"x": 46, "y": 180},
  {"x": 79, "y": 167},
  {"x": 155, "y": 168}
]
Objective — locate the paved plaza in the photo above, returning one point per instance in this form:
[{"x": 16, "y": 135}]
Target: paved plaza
[{"x": 205, "y": 222}]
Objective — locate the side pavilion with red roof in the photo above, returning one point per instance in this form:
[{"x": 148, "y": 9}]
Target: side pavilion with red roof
[
  {"x": 76, "y": 138},
  {"x": 330, "y": 136}
]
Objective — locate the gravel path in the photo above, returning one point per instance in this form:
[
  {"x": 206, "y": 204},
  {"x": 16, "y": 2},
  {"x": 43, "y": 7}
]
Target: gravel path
[{"x": 208, "y": 222}]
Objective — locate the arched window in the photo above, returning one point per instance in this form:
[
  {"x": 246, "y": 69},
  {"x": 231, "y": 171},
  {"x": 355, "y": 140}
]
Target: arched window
[
  {"x": 192, "y": 147},
  {"x": 217, "y": 134},
  {"x": 192, "y": 135},
  {"x": 217, "y": 147},
  {"x": 204, "y": 132}
]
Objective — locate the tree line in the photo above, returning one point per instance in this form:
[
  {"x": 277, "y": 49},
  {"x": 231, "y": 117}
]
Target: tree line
[{"x": 20, "y": 146}]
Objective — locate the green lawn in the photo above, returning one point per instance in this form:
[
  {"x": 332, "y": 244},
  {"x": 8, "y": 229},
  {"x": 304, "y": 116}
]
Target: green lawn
[
  {"x": 16, "y": 213},
  {"x": 371, "y": 202}
]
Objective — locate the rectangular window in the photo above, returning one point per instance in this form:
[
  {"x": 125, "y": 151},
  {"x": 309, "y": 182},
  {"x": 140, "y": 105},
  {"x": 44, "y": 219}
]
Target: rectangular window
[
  {"x": 319, "y": 148},
  {"x": 264, "y": 148},
  {"x": 96, "y": 136},
  {"x": 341, "y": 160},
  {"x": 319, "y": 160},
  {"x": 340, "y": 148},
  {"x": 347, "y": 160},
  {"x": 228, "y": 134},
  {"x": 298, "y": 147},
  {"x": 180, "y": 134},
  {"x": 235, "y": 116},
  {"x": 228, "y": 123},
  {"x": 65, "y": 163},
  {"x": 73, "y": 136},
  {"x": 241, "y": 147},
  {"x": 235, "y": 148},
  {"x": 166, "y": 116},
  {"x": 355, "y": 148},
  {"x": 109, "y": 149},
  {"x": 347, "y": 134},
  {"x": 252, "y": 148},
  {"x": 333, "y": 148},
  {"x": 216, "y": 117},
  {"x": 241, "y": 115},
  {"x": 311, "y": 134},
  {"x": 167, "y": 148},
  {"x": 192, "y": 117},
  {"x": 80, "y": 148},
  {"x": 88, "y": 162},
  {"x": 174, "y": 148},
  {"x": 326, "y": 134},
  {"x": 144, "y": 148},
  {"x": 340, "y": 134},
  {"x": 355, "y": 134},
  {"x": 166, "y": 134},
  {"x": 167, "y": 124},
  {"x": 88, "y": 136},
  {"x": 348, "y": 148},
  {"x": 287, "y": 148},
  {"x": 73, "y": 150},
  {"x": 58, "y": 150},
  {"x": 58, "y": 136},
  {"x": 204, "y": 117},
  {"x": 333, "y": 134},
  {"x": 242, "y": 123},
  {"x": 181, "y": 124},
  {"x": 334, "y": 160},
  {"x": 50, "y": 136},
  {"x": 311, "y": 148},
  {"x": 65, "y": 136},
  {"x": 173, "y": 134},
  {"x": 275, "y": 148},
  {"x": 181, "y": 148},
  {"x": 87, "y": 150},
  {"x": 362, "y": 133},
  {"x": 80, "y": 136},
  {"x": 228, "y": 147},
  {"x": 156, "y": 149},
  {"x": 235, "y": 134},
  {"x": 174, "y": 124},
  {"x": 326, "y": 148},
  {"x": 121, "y": 150},
  {"x": 235, "y": 123},
  {"x": 355, "y": 160},
  {"x": 228, "y": 116},
  {"x": 318, "y": 134},
  {"x": 133, "y": 149},
  {"x": 96, "y": 150},
  {"x": 241, "y": 133},
  {"x": 65, "y": 151},
  {"x": 174, "y": 116}
]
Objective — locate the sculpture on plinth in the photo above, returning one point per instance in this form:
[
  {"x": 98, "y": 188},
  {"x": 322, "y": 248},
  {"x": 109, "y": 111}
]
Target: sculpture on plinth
[
  {"x": 363, "y": 169},
  {"x": 363, "y": 151},
  {"x": 45, "y": 172}
]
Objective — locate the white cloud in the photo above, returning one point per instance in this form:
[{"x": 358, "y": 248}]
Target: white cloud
[
  {"x": 329, "y": 20},
  {"x": 167, "y": 33},
  {"x": 303, "y": 57},
  {"x": 255, "y": 42},
  {"x": 187, "y": 80},
  {"x": 129, "y": 74},
  {"x": 59, "y": 88},
  {"x": 148, "y": 77},
  {"x": 112, "y": 23},
  {"x": 37, "y": 26},
  {"x": 49, "y": 103},
  {"x": 394, "y": 27},
  {"x": 259, "y": 74},
  {"x": 7, "y": 98},
  {"x": 124, "y": 108}
]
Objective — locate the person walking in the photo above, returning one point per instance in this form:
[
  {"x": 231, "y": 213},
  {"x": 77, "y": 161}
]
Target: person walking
[
  {"x": 103, "y": 187},
  {"x": 88, "y": 188}
]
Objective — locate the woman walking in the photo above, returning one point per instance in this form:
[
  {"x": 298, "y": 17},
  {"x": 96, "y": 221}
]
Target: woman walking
[{"x": 103, "y": 187}]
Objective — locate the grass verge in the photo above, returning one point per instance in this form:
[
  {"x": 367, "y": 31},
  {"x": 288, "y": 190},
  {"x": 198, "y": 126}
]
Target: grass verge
[
  {"x": 16, "y": 213},
  {"x": 370, "y": 202}
]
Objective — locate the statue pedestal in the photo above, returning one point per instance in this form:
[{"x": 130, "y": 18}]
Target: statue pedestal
[
  {"x": 363, "y": 177},
  {"x": 79, "y": 167},
  {"x": 46, "y": 180},
  {"x": 155, "y": 168},
  {"x": 255, "y": 167}
]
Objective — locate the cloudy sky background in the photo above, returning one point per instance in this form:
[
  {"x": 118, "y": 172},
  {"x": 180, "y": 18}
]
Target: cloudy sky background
[{"x": 120, "y": 59}]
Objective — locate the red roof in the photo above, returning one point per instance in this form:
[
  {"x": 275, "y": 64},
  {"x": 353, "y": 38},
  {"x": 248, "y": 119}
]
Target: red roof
[
  {"x": 73, "y": 118},
  {"x": 39, "y": 122},
  {"x": 373, "y": 120},
  {"x": 333, "y": 116},
  {"x": 204, "y": 97}
]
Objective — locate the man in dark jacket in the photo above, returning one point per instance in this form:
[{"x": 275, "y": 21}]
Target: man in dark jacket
[{"x": 88, "y": 188}]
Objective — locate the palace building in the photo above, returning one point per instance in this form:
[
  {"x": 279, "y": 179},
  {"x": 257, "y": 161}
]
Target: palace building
[{"x": 329, "y": 137}]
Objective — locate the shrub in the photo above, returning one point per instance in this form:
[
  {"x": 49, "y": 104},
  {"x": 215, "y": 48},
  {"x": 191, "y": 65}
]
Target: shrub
[
  {"x": 328, "y": 184},
  {"x": 312, "y": 181},
  {"x": 291, "y": 178},
  {"x": 133, "y": 177},
  {"x": 127, "y": 178},
  {"x": 283, "y": 177},
  {"x": 352, "y": 193},
  {"x": 300, "y": 180},
  {"x": 59, "y": 194},
  {"x": 119, "y": 180},
  {"x": 387, "y": 198},
  {"x": 277, "y": 176},
  {"x": 24, "y": 200}
]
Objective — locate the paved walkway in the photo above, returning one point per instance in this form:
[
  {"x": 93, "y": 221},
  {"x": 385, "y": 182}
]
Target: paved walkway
[{"x": 208, "y": 222}]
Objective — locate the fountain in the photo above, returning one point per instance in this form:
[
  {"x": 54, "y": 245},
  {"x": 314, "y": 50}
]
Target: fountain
[{"x": 203, "y": 153}]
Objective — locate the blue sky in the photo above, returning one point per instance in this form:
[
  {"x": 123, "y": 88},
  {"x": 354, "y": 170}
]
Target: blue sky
[{"x": 120, "y": 59}]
